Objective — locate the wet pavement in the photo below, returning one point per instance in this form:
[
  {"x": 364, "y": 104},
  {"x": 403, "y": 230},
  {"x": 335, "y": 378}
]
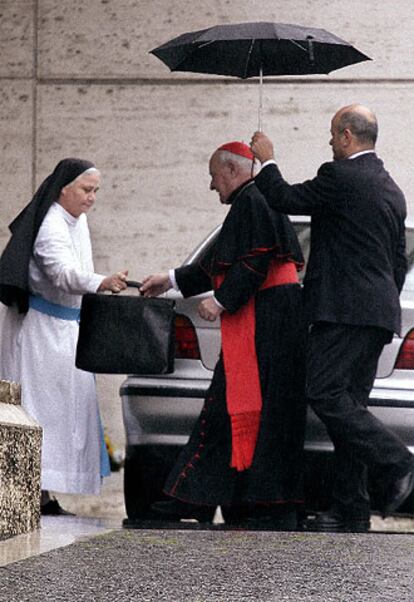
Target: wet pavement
[
  {"x": 219, "y": 566},
  {"x": 55, "y": 532},
  {"x": 91, "y": 557}
]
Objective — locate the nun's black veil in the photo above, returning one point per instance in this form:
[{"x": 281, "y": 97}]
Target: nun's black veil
[{"x": 14, "y": 262}]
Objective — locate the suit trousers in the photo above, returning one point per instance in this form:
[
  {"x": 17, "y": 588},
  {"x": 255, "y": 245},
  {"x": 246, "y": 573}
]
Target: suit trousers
[{"x": 341, "y": 366}]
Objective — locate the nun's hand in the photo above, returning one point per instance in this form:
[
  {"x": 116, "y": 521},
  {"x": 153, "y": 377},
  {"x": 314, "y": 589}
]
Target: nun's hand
[
  {"x": 155, "y": 284},
  {"x": 262, "y": 147},
  {"x": 209, "y": 310},
  {"x": 115, "y": 283}
]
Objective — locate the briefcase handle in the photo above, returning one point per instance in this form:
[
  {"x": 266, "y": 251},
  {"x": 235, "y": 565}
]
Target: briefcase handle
[
  {"x": 137, "y": 284},
  {"x": 130, "y": 283},
  {"x": 133, "y": 283}
]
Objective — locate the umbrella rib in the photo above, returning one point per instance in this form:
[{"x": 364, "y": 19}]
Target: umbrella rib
[
  {"x": 248, "y": 58},
  {"x": 206, "y": 44},
  {"x": 298, "y": 45},
  {"x": 195, "y": 47}
]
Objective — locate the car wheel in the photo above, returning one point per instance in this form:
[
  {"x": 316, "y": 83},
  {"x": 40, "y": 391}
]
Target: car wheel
[{"x": 145, "y": 471}]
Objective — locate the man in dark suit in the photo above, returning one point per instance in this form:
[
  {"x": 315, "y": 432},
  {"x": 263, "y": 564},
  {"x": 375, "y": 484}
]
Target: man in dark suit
[{"x": 356, "y": 270}]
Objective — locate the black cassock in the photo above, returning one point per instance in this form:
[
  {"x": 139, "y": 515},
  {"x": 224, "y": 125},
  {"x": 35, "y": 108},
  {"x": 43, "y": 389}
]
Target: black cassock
[{"x": 252, "y": 237}]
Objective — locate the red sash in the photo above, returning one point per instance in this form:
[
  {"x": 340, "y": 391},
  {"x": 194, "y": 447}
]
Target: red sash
[{"x": 243, "y": 390}]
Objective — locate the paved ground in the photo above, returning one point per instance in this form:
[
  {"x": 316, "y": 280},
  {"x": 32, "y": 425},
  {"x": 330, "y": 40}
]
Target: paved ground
[
  {"x": 90, "y": 557},
  {"x": 205, "y": 566}
]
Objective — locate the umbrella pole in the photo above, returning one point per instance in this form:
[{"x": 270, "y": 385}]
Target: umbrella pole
[
  {"x": 255, "y": 162},
  {"x": 260, "y": 98}
]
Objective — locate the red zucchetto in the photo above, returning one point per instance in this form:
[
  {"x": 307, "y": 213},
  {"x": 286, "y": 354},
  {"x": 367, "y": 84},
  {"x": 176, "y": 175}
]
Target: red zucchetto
[{"x": 237, "y": 148}]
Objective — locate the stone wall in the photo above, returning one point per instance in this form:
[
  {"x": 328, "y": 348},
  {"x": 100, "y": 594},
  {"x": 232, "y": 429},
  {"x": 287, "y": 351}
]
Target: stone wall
[
  {"x": 20, "y": 453},
  {"x": 77, "y": 79}
]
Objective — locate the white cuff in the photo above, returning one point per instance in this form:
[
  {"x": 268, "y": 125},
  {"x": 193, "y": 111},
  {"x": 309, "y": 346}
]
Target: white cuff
[
  {"x": 95, "y": 282},
  {"x": 268, "y": 162},
  {"x": 171, "y": 275}
]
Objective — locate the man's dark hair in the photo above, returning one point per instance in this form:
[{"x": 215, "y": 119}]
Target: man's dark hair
[{"x": 364, "y": 128}]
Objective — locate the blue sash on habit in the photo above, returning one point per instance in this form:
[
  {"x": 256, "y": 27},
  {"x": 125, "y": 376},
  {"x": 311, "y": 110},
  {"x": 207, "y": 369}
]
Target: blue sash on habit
[{"x": 53, "y": 309}]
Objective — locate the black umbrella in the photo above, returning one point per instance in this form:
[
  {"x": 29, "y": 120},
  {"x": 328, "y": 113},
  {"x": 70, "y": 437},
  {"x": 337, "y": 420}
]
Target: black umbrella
[{"x": 256, "y": 49}]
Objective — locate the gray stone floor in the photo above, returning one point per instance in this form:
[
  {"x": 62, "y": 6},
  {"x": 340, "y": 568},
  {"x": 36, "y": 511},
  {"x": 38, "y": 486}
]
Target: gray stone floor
[
  {"x": 206, "y": 566},
  {"x": 90, "y": 557}
]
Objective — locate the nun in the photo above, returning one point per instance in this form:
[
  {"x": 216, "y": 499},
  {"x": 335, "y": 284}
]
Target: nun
[{"x": 45, "y": 269}]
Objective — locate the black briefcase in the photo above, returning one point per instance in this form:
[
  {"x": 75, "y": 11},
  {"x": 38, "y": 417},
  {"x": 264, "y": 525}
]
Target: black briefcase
[{"x": 126, "y": 334}]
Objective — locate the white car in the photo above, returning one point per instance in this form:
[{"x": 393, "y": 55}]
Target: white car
[{"x": 159, "y": 411}]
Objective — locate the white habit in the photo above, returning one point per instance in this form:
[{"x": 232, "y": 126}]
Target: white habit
[{"x": 38, "y": 350}]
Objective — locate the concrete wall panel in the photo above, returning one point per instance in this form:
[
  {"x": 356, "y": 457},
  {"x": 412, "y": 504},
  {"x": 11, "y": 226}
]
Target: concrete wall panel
[
  {"x": 16, "y": 107},
  {"x": 112, "y": 38},
  {"x": 16, "y": 38}
]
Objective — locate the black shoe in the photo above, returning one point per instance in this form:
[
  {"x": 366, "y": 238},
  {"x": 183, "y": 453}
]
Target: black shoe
[
  {"x": 53, "y": 508},
  {"x": 175, "y": 510},
  {"x": 335, "y": 522},
  {"x": 400, "y": 491}
]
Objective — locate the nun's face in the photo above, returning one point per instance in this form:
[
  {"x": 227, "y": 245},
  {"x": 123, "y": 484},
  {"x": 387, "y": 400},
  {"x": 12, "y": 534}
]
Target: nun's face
[{"x": 79, "y": 196}]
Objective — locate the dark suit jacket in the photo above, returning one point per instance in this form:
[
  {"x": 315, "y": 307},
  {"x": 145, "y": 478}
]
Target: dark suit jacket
[{"x": 357, "y": 260}]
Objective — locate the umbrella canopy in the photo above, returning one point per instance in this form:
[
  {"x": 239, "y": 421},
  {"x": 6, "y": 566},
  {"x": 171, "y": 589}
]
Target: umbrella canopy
[
  {"x": 256, "y": 49},
  {"x": 247, "y": 49}
]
